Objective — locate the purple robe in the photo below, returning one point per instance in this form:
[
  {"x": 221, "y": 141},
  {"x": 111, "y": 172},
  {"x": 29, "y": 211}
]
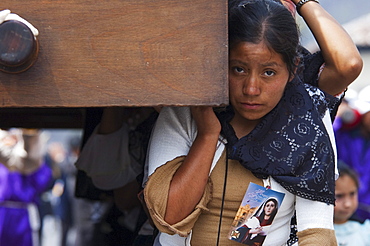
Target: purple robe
[
  {"x": 16, "y": 191},
  {"x": 354, "y": 150}
]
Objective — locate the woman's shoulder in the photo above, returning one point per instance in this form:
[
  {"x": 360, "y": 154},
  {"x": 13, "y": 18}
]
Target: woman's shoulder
[
  {"x": 175, "y": 117},
  {"x": 322, "y": 100},
  {"x": 175, "y": 112},
  {"x": 310, "y": 66}
]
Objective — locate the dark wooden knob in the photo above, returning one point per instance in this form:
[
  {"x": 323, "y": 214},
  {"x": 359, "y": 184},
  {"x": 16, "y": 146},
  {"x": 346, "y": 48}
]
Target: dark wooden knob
[{"x": 18, "y": 47}]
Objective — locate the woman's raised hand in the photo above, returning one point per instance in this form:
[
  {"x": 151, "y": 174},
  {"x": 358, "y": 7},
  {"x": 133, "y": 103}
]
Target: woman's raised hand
[{"x": 206, "y": 120}]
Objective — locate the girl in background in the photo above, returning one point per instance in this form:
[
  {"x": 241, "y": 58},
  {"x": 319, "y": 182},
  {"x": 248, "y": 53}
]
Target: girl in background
[{"x": 347, "y": 231}]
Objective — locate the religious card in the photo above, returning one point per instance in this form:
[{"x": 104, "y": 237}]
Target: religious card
[{"x": 255, "y": 215}]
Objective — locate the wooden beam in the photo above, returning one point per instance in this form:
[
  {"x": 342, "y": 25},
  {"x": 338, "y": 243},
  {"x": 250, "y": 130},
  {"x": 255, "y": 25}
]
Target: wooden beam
[{"x": 122, "y": 53}]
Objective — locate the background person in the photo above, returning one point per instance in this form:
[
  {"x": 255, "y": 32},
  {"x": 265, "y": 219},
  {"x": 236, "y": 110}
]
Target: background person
[
  {"x": 347, "y": 231},
  {"x": 23, "y": 177},
  {"x": 114, "y": 157}
]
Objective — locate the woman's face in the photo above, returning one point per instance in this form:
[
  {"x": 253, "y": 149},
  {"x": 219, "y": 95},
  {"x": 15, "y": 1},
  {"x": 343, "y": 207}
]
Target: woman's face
[
  {"x": 346, "y": 199},
  {"x": 257, "y": 79},
  {"x": 269, "y": 207}
]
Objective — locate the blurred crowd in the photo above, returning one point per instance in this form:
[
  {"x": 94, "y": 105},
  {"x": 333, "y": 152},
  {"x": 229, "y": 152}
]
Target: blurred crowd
[{"x": 37, "y": 182}]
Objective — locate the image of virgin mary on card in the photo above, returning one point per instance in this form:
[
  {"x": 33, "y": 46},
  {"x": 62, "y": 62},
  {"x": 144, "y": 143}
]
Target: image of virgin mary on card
[{"x": 255, "y": 215}]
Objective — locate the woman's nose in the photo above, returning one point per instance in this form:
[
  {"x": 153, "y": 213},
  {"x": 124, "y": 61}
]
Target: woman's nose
[{"x": 251, "y": 86}]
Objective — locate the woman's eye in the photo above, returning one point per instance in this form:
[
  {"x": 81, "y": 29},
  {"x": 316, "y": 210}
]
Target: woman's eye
[
  {"x": 269, "y": 73},
  {"x": 238, "y": 69}
]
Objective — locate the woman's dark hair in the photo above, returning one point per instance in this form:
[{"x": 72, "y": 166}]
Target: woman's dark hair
[
  {"x": 254, "y": 21},
  {"x": 344, "y": 169},
  {"x": 272, "y": 216}
]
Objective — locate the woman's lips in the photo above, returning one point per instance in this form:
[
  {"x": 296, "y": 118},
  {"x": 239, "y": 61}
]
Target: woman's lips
[{"x": 251, "y": 105}]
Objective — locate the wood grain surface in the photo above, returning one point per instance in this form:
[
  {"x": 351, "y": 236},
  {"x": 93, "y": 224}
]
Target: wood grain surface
[{"x": 122, "y": 53}]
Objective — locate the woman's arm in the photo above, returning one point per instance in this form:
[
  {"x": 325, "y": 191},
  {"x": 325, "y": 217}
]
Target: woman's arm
[
  {"x": 189, "y": 181},
  {"x": 106, "y": 158},
  {"x": 111, "y": 121},
  {"x": 315, "y": 223},
  {"x": 343, "y": 62}
]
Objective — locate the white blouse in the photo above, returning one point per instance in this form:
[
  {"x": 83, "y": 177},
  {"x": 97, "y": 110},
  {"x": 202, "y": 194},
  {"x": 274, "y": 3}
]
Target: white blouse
[{"x": 106, "y": 159}]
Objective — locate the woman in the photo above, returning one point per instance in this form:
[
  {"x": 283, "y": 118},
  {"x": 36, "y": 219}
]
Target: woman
[
  {"x": 113, "y": 157},
  {"x": 276, "y": 133},
  {"x": 255, "y": 235}
]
